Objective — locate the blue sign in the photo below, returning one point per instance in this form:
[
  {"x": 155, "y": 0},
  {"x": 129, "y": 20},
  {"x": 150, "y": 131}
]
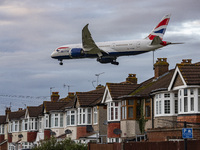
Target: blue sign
[{"x": 187, "y": 133}]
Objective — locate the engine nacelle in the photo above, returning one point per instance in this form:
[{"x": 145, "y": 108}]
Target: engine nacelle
[
  {"x": 107, "y": 59},
  {"x": 76, "y": 53}
]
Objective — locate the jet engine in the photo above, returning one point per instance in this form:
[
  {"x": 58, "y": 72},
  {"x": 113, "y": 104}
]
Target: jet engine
[
  {"x": 105, "y": 60},
  {"x": 76, "y": 53}
]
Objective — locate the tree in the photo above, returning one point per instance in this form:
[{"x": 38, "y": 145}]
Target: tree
[{"x": 66, "y": 144}]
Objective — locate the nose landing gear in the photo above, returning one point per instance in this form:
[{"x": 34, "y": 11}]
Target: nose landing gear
[{"x": 61, "y": 63}]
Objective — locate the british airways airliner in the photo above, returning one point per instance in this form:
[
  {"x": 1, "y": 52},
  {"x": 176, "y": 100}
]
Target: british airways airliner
[{"x": 107, "y": 52}]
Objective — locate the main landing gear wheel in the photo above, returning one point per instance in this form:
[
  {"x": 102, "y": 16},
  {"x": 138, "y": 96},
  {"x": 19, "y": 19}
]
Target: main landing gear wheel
[{"x": 61, "y": 63}]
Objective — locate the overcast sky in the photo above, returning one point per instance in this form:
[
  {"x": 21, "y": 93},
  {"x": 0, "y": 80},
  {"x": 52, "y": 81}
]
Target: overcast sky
[{"x": 31, "y": 30}]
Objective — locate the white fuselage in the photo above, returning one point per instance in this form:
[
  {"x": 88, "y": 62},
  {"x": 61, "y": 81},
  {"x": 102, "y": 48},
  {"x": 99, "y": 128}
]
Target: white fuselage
[{"x": 113, "y": 48}]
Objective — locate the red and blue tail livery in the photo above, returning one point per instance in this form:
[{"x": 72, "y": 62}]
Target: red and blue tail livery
[{"x": 107, "y": 52}]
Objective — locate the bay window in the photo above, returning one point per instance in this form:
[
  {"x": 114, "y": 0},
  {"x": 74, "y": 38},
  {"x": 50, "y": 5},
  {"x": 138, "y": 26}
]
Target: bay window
[
  {"x": 56, "y": 120},
  {"x": 84, "y": 116},
  {"x": 70, "y": 117},
  {"x": 114, "y": 111},
  {"x": 188, "y": 100},
  {"x": 124, "y": 113}
]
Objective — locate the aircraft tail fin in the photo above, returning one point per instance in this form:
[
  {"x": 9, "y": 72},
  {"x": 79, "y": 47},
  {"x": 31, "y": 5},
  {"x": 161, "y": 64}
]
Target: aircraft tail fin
[{"x": 160, "y": 29}]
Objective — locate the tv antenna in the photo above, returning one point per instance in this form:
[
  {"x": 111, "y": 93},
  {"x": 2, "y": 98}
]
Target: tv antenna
[
  {"x": 98, "y": 77},
  {"x": 68, "y": 86}
]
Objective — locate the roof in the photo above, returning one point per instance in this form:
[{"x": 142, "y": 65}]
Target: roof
[
  {"x": 16, "y": 115},
  {"x": 190, "y": 73},
  {"x": 34, "y": 111},
  {"x": 119, "y": 89},
  {"x": 90, "y": 98},
  {"x": 152, "y": 85},
  {"x": 55, "y": 106},
  {"x": 2, "y": 119}
]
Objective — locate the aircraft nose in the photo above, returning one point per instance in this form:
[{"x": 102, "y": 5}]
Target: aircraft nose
[{"x": 53, "y": 55}]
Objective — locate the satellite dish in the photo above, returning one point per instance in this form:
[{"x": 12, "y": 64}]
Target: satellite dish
[
  {"x": 20, "y": 136},
  {"x": 53, "y": 133},
  {"x": 89, "y": 128},
  {"x": 117, "y": 131},
  {"x": 105, "y": 122},
  {"x": 68, "y": 131}
]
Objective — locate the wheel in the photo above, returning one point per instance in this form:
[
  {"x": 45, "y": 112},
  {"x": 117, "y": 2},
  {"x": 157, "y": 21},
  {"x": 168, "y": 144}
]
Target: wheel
[{"x": 61, "y": 63}]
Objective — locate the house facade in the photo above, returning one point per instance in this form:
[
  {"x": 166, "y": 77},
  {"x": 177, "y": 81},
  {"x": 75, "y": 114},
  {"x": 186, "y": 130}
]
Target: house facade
[{"x": 155, "y": 109}]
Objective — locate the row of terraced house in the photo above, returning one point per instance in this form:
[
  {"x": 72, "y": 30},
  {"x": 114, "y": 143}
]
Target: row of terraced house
[{"x": 116, "y": 112}]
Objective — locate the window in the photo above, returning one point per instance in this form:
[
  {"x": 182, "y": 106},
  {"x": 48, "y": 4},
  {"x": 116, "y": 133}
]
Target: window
[
  {"x": 124, "y": 113},
  {"x": 33, "y": 124},
  {"x": 61, "y": 120},
  {"x": 167, "y": 106},
  {"x": 84, "y": 116},
  {"x": 147, "y": 108},
  {"x": 26, "y": 124},
  {"x": 57, "y": 120},
  {"x": 95, "y": 115},
  {"x": 46, "y": 121},
  {"x": 70, "y": 117},
  {"x": 157, "y": 107},
  {"x": 40, "y": 123},
  {"x": 176, "y": 103},
  {"x": 113, "y": 111},
  {"x": 130, "y": 109},
  {"x": 192, "y": 103},
  {"x": 2, "y": 129}
]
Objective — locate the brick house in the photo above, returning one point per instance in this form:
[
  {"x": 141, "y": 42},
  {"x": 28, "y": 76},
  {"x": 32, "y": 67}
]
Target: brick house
[
  {"x": 117, "y": 127},
  {"x": 91, "y": 115},
  {"x": 180, "y": 104},
  {"x": 3, "y": 140}
]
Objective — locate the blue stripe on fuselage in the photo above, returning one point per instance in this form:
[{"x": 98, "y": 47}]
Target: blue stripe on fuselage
[{"x": 96, "y": 56}]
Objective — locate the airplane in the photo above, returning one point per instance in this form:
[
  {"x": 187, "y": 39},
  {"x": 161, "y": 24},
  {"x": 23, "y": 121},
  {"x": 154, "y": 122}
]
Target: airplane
[{"x": 107, "y": 52}]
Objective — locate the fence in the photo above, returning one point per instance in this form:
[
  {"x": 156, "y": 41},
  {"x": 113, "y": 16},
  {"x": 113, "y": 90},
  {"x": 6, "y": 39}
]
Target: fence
[{"x": 167, "y": 145}]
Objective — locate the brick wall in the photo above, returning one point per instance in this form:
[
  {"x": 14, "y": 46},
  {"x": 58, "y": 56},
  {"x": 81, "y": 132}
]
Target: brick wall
[
  {"x": 189, "y": 118},
  {"x": 47, "y": 134},
  {"x": 2, "y": 138},
  {"x": 31, "y": 136},
  {"x": 10, "y": 137},
  {"x": 165, "y": 121},
  {"x": 81, "y": 131},
  {"x": 111, "y": 127},
  {"x": 163, "y": 135},
  {"x": 166, "y": 134}
]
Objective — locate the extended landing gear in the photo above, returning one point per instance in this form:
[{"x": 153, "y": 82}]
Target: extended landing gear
[
  {"x": 61, "y": 63},
  {"x": 115, "y": 63}
]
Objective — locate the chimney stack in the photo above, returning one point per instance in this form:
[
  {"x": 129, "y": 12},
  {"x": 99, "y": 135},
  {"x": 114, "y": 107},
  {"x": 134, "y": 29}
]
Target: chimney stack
[
  {"x": 7, "y": 111},
  {"x": 131, "y": 78},
  {"x": 186, "y": 62},
  {"x": 55, "y": 96},
  {"x": 160, "y": 67}
]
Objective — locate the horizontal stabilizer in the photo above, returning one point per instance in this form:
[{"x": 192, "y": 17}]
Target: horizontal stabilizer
[{"x": 156, "y": 40}]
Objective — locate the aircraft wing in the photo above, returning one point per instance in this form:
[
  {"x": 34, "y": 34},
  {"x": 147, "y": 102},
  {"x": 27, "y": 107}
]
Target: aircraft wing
[{"x": 88, "y": 43}]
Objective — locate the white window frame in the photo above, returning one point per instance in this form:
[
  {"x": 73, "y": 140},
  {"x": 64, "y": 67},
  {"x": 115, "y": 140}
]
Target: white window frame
[
  {"x": 71, "y": 118},
  {"x": 56, "y": 120},
  {"x": 165, "y": 104},
  {"x": 113, "y": 109},
  {"x": 84, "y": 116},
  {"x": 95, "y": 116}
]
